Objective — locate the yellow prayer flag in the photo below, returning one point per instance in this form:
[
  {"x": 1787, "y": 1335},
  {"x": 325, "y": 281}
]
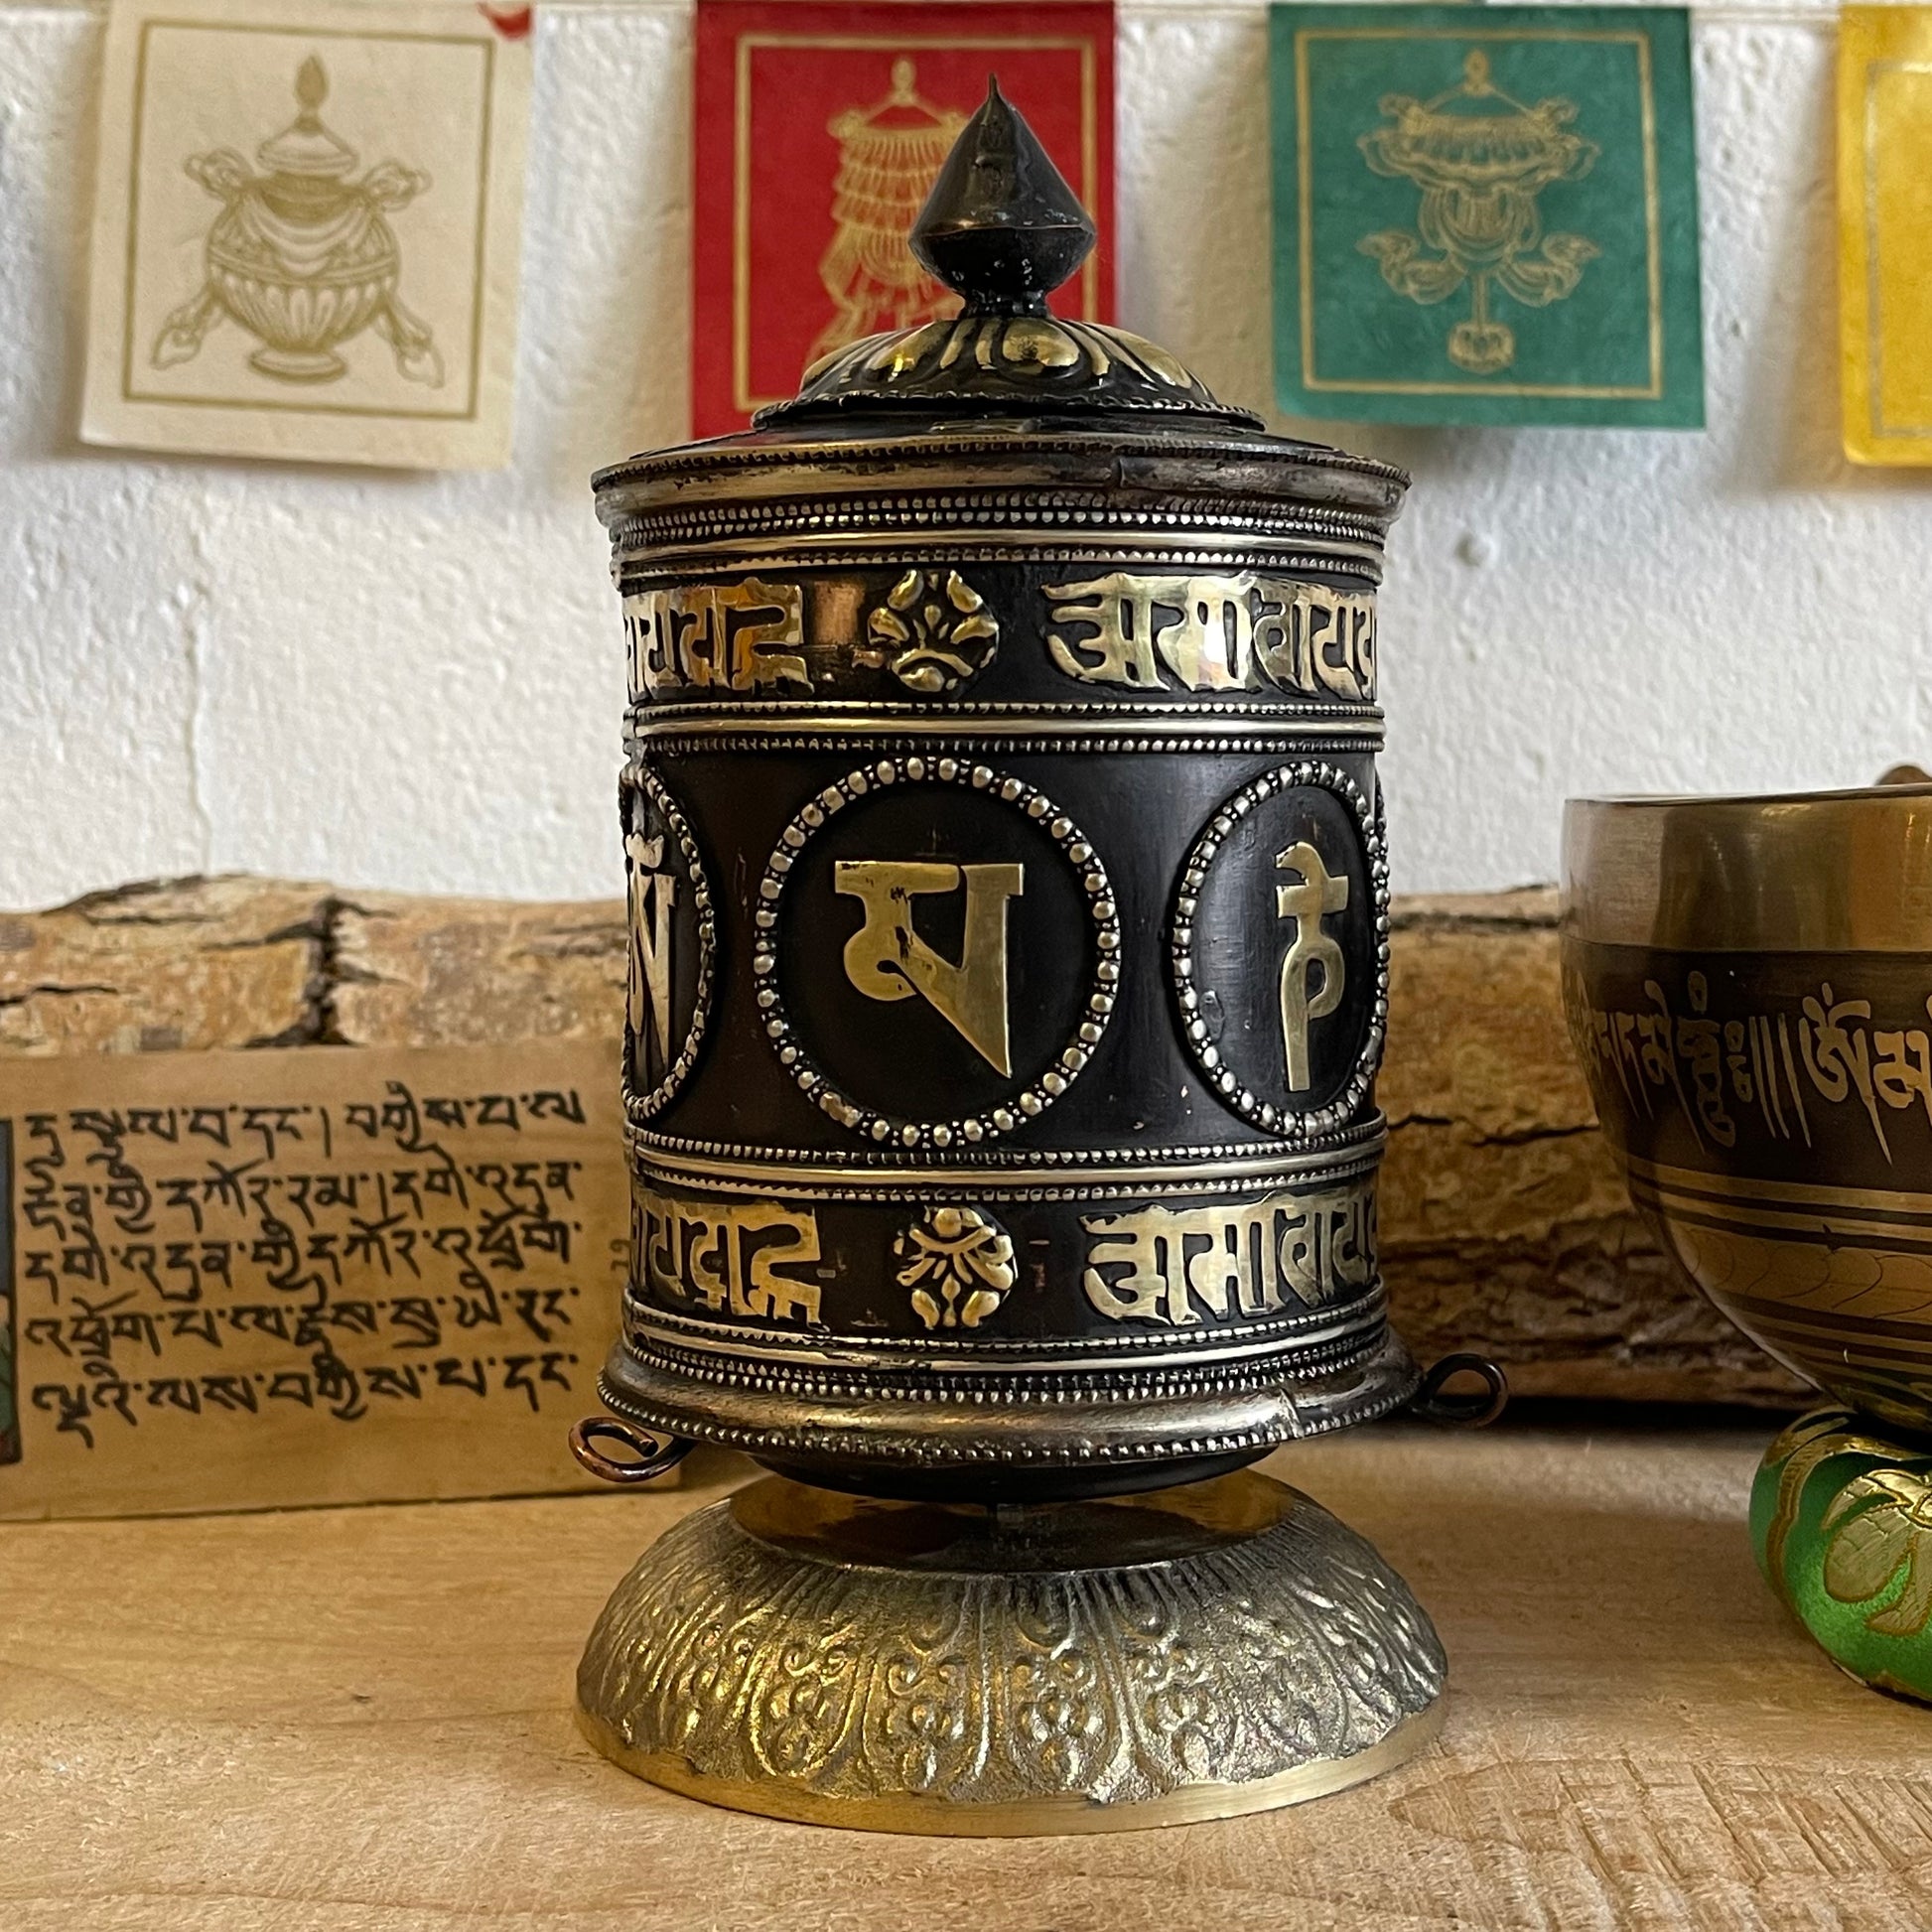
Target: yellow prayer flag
[{"x": 1884, "y": 226}]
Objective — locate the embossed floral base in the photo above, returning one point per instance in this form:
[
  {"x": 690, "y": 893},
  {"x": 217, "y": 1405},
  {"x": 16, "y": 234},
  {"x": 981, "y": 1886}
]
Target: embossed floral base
[
  {"x": 1197, "y": 1652},
  {"x": 1842, "y": 1522}
]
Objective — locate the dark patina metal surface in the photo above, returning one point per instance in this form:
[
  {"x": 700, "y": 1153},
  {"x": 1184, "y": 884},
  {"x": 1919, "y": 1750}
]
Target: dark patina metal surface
[{"x": 1008, "y": 904}]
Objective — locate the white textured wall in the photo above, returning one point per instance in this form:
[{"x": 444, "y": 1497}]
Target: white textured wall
[{"x": 413, "y": 681}]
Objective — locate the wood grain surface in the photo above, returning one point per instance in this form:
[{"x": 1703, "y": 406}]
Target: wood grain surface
[{"x": 348, "y": 1719}]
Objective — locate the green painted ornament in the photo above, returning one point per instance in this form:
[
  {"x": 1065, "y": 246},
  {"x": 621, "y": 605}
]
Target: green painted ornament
[{"x": 1842, "y": 1523}]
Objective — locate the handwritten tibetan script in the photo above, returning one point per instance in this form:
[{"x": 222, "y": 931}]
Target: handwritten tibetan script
[{"x": 324, "y": 1273}]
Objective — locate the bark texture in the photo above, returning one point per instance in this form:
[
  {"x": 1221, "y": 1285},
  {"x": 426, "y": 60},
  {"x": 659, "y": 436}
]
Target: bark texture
[{"x": 1505, "y": 1224}]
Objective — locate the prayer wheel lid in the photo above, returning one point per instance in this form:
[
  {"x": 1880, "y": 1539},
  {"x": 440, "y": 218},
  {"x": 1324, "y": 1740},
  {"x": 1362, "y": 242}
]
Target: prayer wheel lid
[{"x": 1001, "y": 229}]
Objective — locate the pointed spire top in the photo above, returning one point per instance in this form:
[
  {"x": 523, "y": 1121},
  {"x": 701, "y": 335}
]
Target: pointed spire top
[
  {"x": 1001, "y": 227},
  {"x": 305, "y": 147}
]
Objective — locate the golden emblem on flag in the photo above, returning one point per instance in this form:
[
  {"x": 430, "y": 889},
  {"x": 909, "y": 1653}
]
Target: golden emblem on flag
[
  {"x": 301, "y": 256},
  {"x": 889, "y": 155},
  {"x": 1480, "y": 159}
]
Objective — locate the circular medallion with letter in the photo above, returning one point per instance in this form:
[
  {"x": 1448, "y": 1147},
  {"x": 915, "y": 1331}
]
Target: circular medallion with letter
[
  {"x": 1279, "y": 951},
  {"x": 674, "y": 949},
  {"x": 939, "y": 948}
]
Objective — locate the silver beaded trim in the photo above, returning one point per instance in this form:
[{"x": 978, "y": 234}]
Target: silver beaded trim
[
  {"x": 1285, "y": 1123},
  {"x": 1032, "y": 1101}
]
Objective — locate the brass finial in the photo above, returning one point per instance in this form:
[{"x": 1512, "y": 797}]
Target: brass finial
[{"x": 1001, "y": 227}]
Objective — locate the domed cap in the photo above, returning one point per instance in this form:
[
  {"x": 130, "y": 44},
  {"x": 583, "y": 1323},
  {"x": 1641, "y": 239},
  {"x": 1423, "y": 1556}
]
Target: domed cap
[{"x": 1001, "y": 229}]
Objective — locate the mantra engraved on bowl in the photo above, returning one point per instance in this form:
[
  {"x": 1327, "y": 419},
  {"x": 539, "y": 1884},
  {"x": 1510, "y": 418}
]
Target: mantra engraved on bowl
[
  {"x": 1119, "y": 1684},
  {"x": 672, "y": 949},
  {"x": 732, "y": 1258},
  {"x": 1875, "y": 1530},
  {"x": 884, "y": 959},
  {"x": 887, "y": 959},
  {"x": 1774, "y": 1112},
  {"x": 1283, "y": 889},
  {"x": 958, "y": 1263},
  {"x": 1216, "y": 633},
  {"x": 746, "y": 636},
  {"x": 1706, "y": 1065},
  {"x": 932, "y": 631},
  {"x": 1180, "y": 1266}
]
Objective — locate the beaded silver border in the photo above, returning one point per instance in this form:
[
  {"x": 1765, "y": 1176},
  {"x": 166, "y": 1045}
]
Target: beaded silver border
[
  {"x": 1032, "y": 1101},
  {"x": 643, "y": 1106},
  {"x": 1285, "y": 1123}
]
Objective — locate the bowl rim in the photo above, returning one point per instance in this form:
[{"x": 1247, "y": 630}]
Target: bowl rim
[
  {"x": 1826, "y": 872},
  {"x": 1823, "y": 795}
]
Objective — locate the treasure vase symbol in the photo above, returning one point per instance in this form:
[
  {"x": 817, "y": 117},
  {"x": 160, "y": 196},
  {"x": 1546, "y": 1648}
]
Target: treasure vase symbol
[
  {"x": 886, "y": 959},
  {"x": 301, "y": 256},
  {"x": 888, "y": 156},
  {"x": 1480, "y": 159},
  {"x": 1311, "y": 951}
]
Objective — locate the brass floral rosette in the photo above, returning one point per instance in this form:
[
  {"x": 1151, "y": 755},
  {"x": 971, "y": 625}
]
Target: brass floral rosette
[{"x": 1009, "y": 932}]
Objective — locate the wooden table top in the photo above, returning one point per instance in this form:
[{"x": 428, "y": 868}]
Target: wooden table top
[{"x": 361, "y": 1719}]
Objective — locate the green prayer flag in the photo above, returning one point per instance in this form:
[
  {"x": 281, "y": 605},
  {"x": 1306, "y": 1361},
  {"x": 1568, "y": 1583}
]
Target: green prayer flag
[{"x": 1487, "y": 214}]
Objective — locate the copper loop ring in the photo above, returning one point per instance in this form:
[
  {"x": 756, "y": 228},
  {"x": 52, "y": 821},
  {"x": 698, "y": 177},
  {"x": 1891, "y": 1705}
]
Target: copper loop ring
[
  {"x": 653, "y": 1453},
  {"x": 1462, "y": 1410}
]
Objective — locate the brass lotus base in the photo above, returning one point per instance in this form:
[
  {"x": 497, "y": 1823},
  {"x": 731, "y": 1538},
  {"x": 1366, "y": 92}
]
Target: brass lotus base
[{"x": 1195, "y": 1652}]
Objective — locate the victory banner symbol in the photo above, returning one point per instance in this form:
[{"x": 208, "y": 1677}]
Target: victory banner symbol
[{"x": 818, "y": 133}]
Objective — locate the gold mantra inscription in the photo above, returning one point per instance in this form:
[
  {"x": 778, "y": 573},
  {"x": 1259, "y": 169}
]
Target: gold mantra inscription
[
  {"x": 1216, "y": 633},
  {"x": 1179, "y": 1266},
  {"x": 1306, "y": 904},
  {"x": 732, "y": 1258},
  {"x": 886, "y": 959},
  {"x": 723, "y": 636},
  {"x": 654, "y": 899}
]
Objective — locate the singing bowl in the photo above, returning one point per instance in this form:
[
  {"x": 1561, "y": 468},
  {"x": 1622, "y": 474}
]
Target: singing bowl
[{"x": 1746, "y": 981}]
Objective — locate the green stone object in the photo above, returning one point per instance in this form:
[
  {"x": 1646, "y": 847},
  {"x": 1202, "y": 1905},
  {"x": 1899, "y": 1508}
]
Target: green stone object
[{"x": 1842, "y": 1523}]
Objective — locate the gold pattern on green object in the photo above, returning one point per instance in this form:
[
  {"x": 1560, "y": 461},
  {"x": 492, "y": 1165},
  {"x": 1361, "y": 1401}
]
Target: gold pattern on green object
[
  {"x": 1479, "y": 166},
  {"x": 1801, "y": 1448},
  {"x": 1841, "y": 1521},
  {"x": 959, "y": 1265},
  {"x": 1868, "y": 1547}
]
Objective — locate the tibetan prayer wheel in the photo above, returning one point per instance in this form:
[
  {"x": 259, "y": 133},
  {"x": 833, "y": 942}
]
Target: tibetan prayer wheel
[{"x": 1009, "y": 935}]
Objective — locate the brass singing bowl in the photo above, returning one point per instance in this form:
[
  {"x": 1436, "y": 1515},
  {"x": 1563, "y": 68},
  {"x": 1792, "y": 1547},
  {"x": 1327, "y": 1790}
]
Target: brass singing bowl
[{"x": 1746, "y": 981}]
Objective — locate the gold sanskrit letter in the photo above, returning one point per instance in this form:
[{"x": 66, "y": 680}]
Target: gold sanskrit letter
[
  {"x": 1119, "y": 646},
  {"x": 654, "y": 896},
  {"x": 1307, "y": 904},
  {"x": 887, "y": 960}
]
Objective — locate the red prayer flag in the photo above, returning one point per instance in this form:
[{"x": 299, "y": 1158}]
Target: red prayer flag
[{"x": 818, "y": 131}]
